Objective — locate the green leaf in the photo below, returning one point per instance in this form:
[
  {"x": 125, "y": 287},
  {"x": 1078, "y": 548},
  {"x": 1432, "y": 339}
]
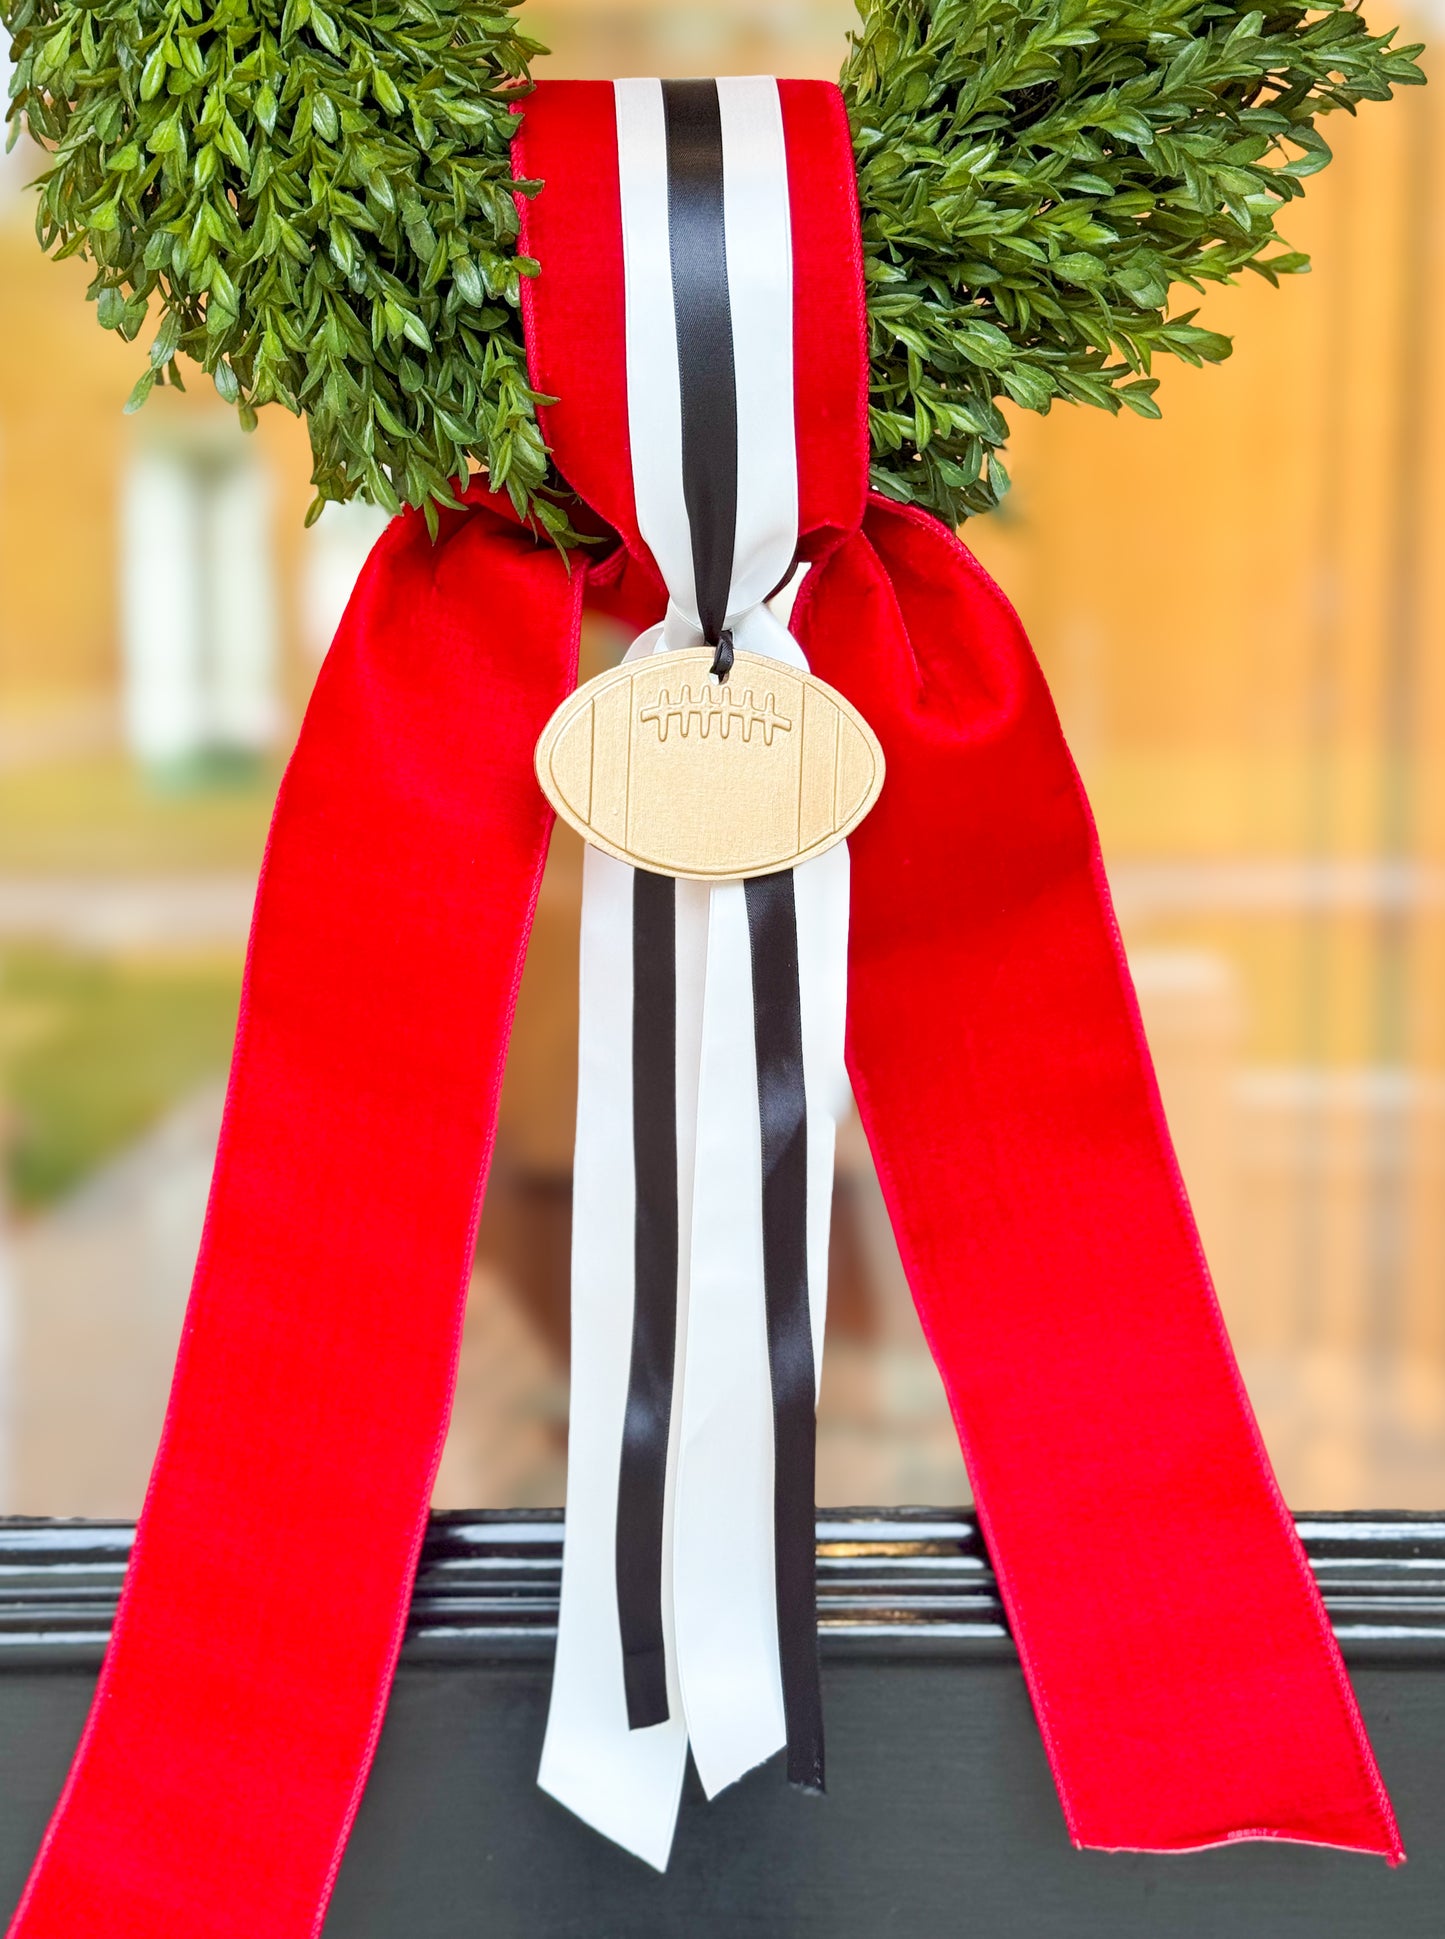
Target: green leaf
[
  {"x": 168, "y": 338},
  {"x": 1033, "y": 389},
  {"x": 110, "y": 309},
  {"x": 343, "y": 253},
  {"x": 223, "y": 290},
  {"x": 419, "y": 232},
  {"x": 385, "y": 91},
  {"x": 468, "y": 280},
  {"x": 325, "y": 29},
  {"x": 153, "y": 74},
  {"x": 144, "y": 384},
  {"x": 415, "y": 331}
]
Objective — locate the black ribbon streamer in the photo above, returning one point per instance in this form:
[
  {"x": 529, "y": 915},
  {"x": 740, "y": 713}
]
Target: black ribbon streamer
[
  {"x": 703, "y": 312},
  {"x": 708, "y": 385},
  {"x": 642, "y": 1476},
  {"x": 783, "y": 1115}
]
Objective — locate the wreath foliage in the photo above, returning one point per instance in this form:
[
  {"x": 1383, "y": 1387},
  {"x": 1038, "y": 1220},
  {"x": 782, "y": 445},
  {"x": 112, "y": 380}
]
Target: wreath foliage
[
  {"x": 314, "y": 203},
  {"x": 1037, "y": 178}
]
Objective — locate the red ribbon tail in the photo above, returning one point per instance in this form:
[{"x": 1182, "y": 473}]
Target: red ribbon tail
[
  {"x": 222, "y": 1763},
  {"x": 1181, "y": 1663}
]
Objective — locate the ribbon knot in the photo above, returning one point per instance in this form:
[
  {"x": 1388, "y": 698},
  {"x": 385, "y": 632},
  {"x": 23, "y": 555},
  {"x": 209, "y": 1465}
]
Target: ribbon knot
[{"x": 722, "y": 663}]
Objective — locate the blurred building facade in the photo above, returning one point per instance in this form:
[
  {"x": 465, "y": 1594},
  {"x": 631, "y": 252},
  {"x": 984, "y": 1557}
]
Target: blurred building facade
[{"x": 1240, "y": 612}]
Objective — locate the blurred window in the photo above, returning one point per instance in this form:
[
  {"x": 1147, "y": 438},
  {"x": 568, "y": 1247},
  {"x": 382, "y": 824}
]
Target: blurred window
[
  {"x": 198, "y": 604},
  {"x": 336, "y": 551}
]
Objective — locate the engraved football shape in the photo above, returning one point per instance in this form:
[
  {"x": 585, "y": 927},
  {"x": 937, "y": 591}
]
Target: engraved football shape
[{"x": 656, "y": 763}]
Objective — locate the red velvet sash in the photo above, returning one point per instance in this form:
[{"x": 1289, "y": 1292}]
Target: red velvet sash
[
  {"x": 1182, "y": 1668},
  {"x": 1185, "y": 1679}
]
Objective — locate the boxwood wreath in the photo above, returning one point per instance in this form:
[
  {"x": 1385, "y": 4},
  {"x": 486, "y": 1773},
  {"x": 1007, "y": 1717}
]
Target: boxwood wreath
[{"x": 314, "y": 203}]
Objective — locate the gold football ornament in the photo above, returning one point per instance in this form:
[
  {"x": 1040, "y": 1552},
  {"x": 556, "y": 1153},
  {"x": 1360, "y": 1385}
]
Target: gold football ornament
[{"x": 664, "y": 767}]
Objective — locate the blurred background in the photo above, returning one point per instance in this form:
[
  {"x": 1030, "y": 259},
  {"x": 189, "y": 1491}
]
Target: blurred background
[{"x": 1240, "y": 611}]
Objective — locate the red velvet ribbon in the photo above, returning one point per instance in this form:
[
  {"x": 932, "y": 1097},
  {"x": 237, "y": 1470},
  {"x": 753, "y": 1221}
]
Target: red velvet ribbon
[{"x": 1186, "y": 1682}]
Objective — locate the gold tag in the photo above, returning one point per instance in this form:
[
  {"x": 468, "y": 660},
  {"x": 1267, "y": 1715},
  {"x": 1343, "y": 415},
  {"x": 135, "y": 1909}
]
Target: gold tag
[{"x": 662, "y": 766}]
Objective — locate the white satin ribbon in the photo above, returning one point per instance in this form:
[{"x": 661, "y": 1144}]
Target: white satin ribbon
[{"x": 719, "y": 1601}]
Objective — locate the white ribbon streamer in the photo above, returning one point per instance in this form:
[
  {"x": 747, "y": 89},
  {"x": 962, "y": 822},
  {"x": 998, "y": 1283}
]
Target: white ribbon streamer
[{"x": 719, "y": 1598}]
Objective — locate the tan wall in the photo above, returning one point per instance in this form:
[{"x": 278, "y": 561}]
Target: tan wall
[{"x": 1245, "y": 583}]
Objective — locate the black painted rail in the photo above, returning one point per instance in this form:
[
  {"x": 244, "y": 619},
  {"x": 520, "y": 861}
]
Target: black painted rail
[
  {"x": 940, "y": 1820},
  {"x": 889, "y": 1581}
]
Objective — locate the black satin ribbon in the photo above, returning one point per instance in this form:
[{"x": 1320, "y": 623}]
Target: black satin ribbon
[
  {"x": 783, "y": 1114},
  {"x": 642, "y": 1475},
  {"x": 703, "y": 312},
  {"x": 708, "y": 387}
]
